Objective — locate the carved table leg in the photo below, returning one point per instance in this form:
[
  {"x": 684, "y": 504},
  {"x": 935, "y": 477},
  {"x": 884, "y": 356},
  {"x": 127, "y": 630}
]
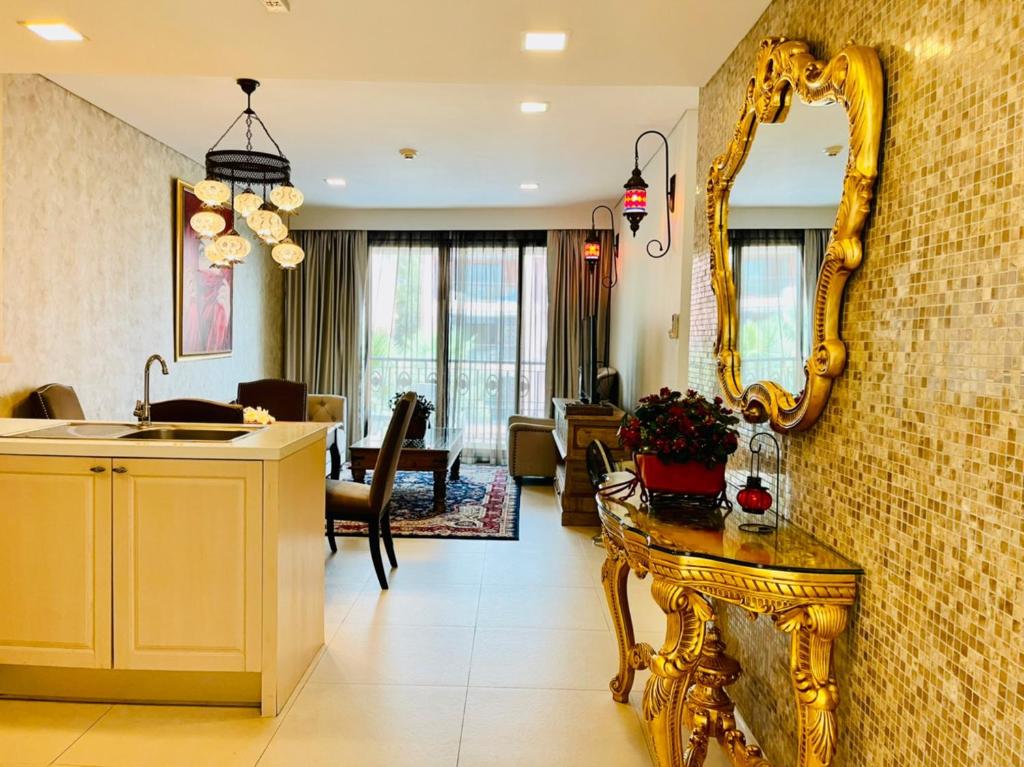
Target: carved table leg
[
  {"x": 709, "y": 711},
  {"x": 814, "y": 629},
  {"x": 615, "y": 576},
  {"x": 672, "y": 667}
]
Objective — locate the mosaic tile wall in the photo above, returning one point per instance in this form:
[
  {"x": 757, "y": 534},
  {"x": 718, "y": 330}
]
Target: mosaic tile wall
[{"x": 916, "y": 467}]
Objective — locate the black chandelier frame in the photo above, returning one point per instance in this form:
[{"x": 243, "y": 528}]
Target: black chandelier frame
[{"x": 248, "y": 167}]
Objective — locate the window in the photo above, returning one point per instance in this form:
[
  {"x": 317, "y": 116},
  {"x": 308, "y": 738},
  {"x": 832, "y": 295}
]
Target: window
[
  {"x": 402, "y": 349},
  {"x": 768, "y": 267},
  {"x": 487, "y": 293}
]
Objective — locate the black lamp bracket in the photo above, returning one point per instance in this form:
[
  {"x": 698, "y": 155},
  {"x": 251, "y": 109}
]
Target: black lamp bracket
[
  {"x": 670, "y": 195},
  {"x": 613, "y": 274}
]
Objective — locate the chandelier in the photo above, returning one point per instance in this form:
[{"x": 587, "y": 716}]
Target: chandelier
[{"x": 233, "y": 178}]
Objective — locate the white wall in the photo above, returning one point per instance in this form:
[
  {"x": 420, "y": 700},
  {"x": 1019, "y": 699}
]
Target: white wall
[
  {"x": 782, "y": 218},
  {"x": 651, "y": 290},
  {"x": 88, "y": 271},
  {"x": 427, "y": 219}
]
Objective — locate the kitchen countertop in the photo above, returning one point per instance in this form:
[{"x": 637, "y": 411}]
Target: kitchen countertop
[{"x": 268, "y": 443}]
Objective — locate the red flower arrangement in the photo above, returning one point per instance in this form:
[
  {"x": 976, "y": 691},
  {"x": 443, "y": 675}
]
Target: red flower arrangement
[{"x": 681, "y": 429}]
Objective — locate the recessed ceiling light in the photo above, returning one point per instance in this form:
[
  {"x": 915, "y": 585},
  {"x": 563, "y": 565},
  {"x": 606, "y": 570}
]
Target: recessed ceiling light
[
  {"x": 54, "y": 31},
  {"x": 336, "y": 181},
  {"x": 544, "y": 41},
  {"x": 529, "y": 186},
  {"x": 533, "y": 107}
]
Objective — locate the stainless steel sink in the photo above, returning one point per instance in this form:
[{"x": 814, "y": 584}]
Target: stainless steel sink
[
  {"x": 117, "y": 431},
  {"x": 185, "y": 434}
]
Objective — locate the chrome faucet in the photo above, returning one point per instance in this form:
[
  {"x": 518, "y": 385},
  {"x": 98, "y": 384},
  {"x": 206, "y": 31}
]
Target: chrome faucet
[{"x": 142, "y": 406}]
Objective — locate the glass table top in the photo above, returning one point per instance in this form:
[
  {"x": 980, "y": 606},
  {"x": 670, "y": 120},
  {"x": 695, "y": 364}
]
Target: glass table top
[
  {"x": 717, "y": 536},
  {"x": 434, "y": 439}
]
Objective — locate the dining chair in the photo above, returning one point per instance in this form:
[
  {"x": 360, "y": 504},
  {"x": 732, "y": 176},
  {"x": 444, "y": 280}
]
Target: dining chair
[
  {"x": 357, "y": 502},
  {"x": 283, "y": 399},
  {"x": 56, "y": 401},
  {"x": 196, "y": 411}
]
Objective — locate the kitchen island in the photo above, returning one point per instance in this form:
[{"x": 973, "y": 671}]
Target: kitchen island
[{"x": 161, "y": 570}]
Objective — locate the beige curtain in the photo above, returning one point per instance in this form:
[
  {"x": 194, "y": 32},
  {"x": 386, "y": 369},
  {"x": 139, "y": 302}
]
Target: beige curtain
[
  {"x": 325, "y": 319},
  {"x": 574, "y": 293}
]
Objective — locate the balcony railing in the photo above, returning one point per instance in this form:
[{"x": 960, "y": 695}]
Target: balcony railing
[{"x": 482, "y": 394}]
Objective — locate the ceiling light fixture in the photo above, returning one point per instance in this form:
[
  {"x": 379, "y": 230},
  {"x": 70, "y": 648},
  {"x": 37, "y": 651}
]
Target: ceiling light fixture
[
  {"x": 544, "y": 41},
  {"x": 335, "y": 181},
  {"x": 533, "y": 107},
  {"x": 529, "y": 186},
  {"x": 408, "y": 153},
  {"x": 54, "y": 31},
  {"x": 634, "y": 202},
  {"x": 592, "y": 249},
  {"x": 229, "y": 169}
]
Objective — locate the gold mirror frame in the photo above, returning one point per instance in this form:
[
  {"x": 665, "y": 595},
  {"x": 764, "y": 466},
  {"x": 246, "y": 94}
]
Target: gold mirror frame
[{"x": 853, "y": 79}]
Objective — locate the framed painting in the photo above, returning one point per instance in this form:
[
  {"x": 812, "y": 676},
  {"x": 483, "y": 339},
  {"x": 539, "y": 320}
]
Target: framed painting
[{"x": 204, "y": 294}]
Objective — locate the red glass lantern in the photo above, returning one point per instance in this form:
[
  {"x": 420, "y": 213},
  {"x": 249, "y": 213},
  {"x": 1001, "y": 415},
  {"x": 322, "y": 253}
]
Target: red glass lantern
[
  {"x": 592, "y": 250},
  {"x": 634, "y": 203},
  {"x": 754, "y": 498}
]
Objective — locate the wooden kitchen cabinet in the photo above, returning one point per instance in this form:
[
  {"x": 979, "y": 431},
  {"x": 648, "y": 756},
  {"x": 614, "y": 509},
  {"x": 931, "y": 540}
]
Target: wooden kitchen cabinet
[
  {"x": 187, "y": 564},
  {"x": 130, "y": 564},
  {"x": 55, "y": 537},
  {"x": 162, "y": 572}
]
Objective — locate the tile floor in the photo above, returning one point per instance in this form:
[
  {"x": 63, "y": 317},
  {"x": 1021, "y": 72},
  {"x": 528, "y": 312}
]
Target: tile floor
[{"x": 482, "y": 653}]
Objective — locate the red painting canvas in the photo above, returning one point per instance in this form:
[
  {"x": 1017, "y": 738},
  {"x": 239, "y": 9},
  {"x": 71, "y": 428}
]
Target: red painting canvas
[{"x": 204, "y": 292}]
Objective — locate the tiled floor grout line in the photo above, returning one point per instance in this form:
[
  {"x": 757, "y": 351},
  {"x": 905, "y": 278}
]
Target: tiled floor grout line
[
  {"x": 82, "y": 734},
  {"x": 465, "y": 699}
]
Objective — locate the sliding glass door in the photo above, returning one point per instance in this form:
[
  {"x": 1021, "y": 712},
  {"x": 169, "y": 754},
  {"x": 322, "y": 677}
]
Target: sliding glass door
[
  {"x": 402, "y": 348},
  {"x": 487, "y": 295}
]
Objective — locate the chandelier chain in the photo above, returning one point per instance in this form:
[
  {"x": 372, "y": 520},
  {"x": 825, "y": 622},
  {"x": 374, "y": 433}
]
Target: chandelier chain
[
  {"x": 226, "y": 132},
  {"x": 278, "y": 148},
  {"x": 248, "y": 130}
]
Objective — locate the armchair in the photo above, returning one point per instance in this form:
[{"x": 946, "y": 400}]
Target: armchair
[{"x": 531, "y": 447}]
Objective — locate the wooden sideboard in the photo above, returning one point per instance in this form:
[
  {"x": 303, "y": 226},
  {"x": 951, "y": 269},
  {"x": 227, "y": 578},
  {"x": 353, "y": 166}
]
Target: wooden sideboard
[{"x": 576, "y": 426}]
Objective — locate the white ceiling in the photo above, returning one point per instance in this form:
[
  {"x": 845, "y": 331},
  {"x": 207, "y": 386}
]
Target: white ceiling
[
  {"x": 475, "y": 147},
  {"x": 346, "y": 84},
  {"x": 787, "y": 166}
]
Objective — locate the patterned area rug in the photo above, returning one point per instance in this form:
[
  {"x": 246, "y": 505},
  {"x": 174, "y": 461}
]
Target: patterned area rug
[{"x": 483, "y": 504}]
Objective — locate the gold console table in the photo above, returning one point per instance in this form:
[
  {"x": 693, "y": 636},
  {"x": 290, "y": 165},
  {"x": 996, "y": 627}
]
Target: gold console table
[{"x": 804, "y": 586}]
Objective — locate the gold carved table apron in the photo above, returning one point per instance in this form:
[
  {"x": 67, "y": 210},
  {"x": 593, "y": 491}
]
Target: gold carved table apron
[{"x": 804, "y": 586}]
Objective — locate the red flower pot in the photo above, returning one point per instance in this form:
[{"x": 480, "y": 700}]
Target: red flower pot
[{"x": 691, "y": 478}]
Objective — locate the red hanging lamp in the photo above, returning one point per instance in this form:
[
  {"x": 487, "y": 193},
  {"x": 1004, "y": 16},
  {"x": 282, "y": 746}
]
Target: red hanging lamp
[
  {"x": 634, "y": 201},
  {"x": 754, "y": 497}
]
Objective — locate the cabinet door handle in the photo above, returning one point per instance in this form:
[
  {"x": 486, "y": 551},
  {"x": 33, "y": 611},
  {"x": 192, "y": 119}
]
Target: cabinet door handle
[
  {"x": 98, "y": 469},
  {"x": 120, "y": 470}
]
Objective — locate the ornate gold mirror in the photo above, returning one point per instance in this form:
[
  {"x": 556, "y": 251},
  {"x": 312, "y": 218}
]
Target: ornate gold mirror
[{"x": 787, "y": 202}]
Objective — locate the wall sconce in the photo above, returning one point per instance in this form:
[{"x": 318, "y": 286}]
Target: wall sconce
[
  {"x": 634, "y": 202},
  {"x": 592, "y": 249}
]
